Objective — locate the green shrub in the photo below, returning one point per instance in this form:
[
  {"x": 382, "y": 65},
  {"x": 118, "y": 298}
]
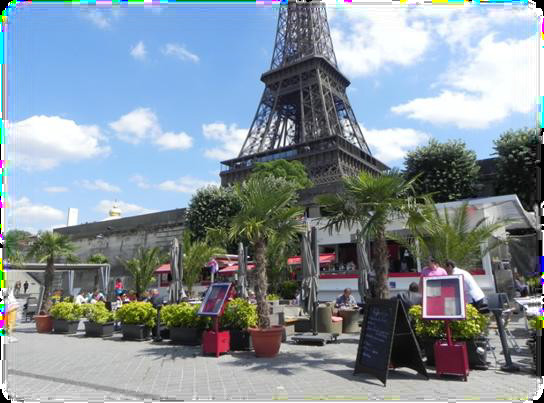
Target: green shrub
[
  {"x": 239, "y": 314},
  {"x": 183, "y": 315},
  {"x": 98, "y": 313},
  {"x": 534, "y": 322},
  {"x": 473, "y": 326},
  {"x": 66, "y": 311},
  {"x": 288, "y": 289},
  {"x": 137, "y": 313},
  {"x": 273, "y": 297}
]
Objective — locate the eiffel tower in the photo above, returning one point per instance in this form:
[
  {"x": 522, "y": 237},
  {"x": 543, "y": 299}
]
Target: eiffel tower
[{"x": 304, "y": 113}]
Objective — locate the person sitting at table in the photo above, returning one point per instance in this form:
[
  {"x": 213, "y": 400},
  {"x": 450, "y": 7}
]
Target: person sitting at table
[
  {"x": 346, "y": 299},
  {"x": 80, "y": 299},
  {"x": 521, "y": 286},
  {"x": 411, "y": 297},
  {"x": 118, "y": 287}
]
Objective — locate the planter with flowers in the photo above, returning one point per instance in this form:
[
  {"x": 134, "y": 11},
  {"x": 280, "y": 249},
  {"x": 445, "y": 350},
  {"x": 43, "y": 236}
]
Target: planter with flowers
[
  {"x": 137, "y": 319},
  {"x": 66, "y": 317},
  {"x": 472, "y": 330},
  {"x": 100, "y": 320},
  {"x": 185, "y": 325},
  {"x": 238, "y": 317}
]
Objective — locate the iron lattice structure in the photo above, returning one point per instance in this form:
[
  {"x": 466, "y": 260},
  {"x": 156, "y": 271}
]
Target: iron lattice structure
[{"x": 304, "y": 112}]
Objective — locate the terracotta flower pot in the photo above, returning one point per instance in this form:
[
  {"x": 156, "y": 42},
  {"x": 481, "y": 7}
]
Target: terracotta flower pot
[
  {"x": 266, "y": 342},
  {"x": 44, "y": 323}
]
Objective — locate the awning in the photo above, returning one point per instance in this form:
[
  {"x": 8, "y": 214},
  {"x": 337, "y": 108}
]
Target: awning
[
  {"x": 234, "y": 268},
  {"x": 323, "y": 258},
  {"x": 165, "y": 268}
]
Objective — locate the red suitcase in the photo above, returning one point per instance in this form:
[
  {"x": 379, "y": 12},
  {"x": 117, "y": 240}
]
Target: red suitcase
[{"x": 451, "y": 359}]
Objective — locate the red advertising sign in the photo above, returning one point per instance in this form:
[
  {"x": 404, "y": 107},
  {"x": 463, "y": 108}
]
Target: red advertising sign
[
  {"x": 215, "y": 299},
  {"x": 443, "y": 297}
]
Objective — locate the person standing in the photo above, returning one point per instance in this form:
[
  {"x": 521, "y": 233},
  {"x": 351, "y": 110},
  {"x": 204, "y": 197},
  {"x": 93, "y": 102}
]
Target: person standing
[
  {"x": 17, "y": 288},
  {"x": 25, "y": 286},
  {"x": 432, "y": 269},
  {"x": 473, "y": 293},
  {"x": 118, "y": 287}
]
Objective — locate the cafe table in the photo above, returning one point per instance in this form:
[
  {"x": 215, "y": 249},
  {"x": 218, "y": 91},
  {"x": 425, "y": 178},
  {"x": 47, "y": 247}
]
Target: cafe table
[{"x": 350, "y": 320}]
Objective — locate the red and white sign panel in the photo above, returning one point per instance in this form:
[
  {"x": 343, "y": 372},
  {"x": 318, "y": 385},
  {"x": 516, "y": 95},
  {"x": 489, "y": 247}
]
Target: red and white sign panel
[
  {"x": 215, "y": 299},
  {"x": 443, "y": 297}
]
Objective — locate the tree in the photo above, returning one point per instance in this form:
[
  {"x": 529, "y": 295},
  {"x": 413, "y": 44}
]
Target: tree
[
  {"x": 292, "y": 171},
  {"x": 195, "y": 256},
  {"x": 211, "y": 207},
  {"x": 142, "y": 268},
  {"x": 447, "y": 170},
  {"x": 266, "y": 212},
  {"x": 48, "y": 247},
  {"x": 278, "y": 252},
  {"x": 14, "y": 243},
  {"x": 371, "y": 201},
  {"x": 450, "y": 234},
  {"x": 516, "y": 164},
  {"x": 98, "y": 258}
]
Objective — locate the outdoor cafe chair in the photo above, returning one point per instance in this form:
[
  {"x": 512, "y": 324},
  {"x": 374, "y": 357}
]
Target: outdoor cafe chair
[{"x": 499, "y": 302}]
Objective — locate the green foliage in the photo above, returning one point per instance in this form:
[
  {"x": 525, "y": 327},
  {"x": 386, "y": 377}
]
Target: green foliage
[
  {"x": 277, "y": 253},
  {"x": 98, "y": 313},
  {"x": 535, "y": 322},
  {"x": 371, "y": 201},
  {"x": 473, "y": 326},
  {"x": 98, "y": 258},
  {"x": 239, "y": 314},
  {"x": 448, "y": 170},
  {"x": 137, "y": 313},
  {"x": 288, "y": 289},
  {"x": 450, "y": 234},
  {"x": 211, "y": 207},
  {"x": 273, "y": 297},
  {"x": 196, "y": 255},
  {"x": 183, "y": 315},
  {"x": 292, "y": 171},
  {"x": 14, "y": 242},
  {"x": 516, "y": 164},
  {"x": 142, "y": 268},
  {"x": 66, "y": 311}
]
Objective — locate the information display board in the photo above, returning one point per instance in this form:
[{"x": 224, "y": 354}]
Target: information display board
[
  {"x": 443, "y": 297},
  {"x": 215, "y": 299},
  {"x": 387, "y": 338}
]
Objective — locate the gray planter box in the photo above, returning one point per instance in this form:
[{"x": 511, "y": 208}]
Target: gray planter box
[
  {"x": 188, "y": 336},
  {"x": 135, "y": 332},
  {"x": 65, "y": 326},
  {"x": 93, "y": 329}
]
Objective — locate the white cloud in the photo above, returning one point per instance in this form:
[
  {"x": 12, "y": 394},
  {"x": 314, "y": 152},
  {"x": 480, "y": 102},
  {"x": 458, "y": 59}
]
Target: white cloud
[
  {"x": 55, "y": 189},
  {"x": 43, "y": 142},
  {"x": 390, "y": 145},
  {"x": 138, "y": 51},
  {"x": 140, "y": 181},
  {"x": 179, "y": 51},
  {"x": 101, "y": 18},
  {"x": 136, "y": 126},
  {"x": 33, "y": 217},
  {"x": 366, "y": 43},
  {"x": 230, "y": 139},
  {"x": 127, "y": 209},
  {"x": 494, "y": 80},
  {"x": 170, "y": 141},
  {"x": 185, "y": 184},
  {"x": 99, "y": 184}
]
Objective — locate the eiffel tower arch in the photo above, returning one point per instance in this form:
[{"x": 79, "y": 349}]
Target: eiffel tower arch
[{"x": 304, "y": 113}]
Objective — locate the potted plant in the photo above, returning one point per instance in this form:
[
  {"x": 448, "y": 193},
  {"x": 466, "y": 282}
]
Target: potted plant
[
  {"x": 534, "y": 324},
  {"x": 100, "y": 320},
  {"x": 238, "y": 317},
  {"x": 185, "y": 325},
  {"x": 66, "y": 316},
  {"x": 288, "y": 290},
  {"x": 137, "y": 319},
  {"x": 471, "y": 330},
  {"x": 267, "y": 210}
]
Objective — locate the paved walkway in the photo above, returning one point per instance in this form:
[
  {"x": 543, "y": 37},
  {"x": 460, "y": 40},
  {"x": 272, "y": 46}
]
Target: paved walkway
[{"x": 52, "y": 367}]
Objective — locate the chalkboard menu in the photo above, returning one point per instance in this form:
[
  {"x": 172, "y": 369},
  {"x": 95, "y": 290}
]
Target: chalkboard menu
[{"x": 387, "y": 338}]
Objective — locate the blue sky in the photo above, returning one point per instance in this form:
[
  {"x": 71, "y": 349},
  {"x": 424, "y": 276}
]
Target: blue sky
[{"x": 140, "y": 104}]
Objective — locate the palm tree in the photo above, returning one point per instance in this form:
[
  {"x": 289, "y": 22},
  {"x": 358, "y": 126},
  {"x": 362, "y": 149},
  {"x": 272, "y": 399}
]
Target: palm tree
[
  {"x": 195, "y": 256},
  {"x": 48, "y": 247},
  {"x": 451, "y": 234},
  {"x": 142, "y": 268},
  {"x": 371, "y": 201},
  {"x": 14, "y": 242},
  {"x": 267, "y": 211}
]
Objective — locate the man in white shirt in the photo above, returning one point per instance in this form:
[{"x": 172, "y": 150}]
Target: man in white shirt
[
  {"x": 473, "y": 293},
  {"x": 80, "y": 299}
]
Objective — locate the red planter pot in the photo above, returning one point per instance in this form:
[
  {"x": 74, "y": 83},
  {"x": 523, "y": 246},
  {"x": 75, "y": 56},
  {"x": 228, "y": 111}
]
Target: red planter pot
[
  {"x": 266, "y": 342},
  {"x": 44, "y": 323}
]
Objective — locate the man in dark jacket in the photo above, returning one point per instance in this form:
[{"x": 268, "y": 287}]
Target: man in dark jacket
[{"x": 411, "y": 297}]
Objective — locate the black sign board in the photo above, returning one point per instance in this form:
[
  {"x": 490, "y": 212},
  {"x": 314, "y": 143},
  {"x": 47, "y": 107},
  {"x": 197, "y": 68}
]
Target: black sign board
[{"x": 387, "y": 337}]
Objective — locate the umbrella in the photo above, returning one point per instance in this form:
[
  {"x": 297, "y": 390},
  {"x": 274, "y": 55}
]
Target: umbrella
[
  {"x": 364, "y": 266},
  {"x": 309, "y": 283},
  {"x": 71, "y": 282},
  {"x": 242, "y": 271},
  {"x": 174, "y": 270},
  {"x": 105, "y": 276}
]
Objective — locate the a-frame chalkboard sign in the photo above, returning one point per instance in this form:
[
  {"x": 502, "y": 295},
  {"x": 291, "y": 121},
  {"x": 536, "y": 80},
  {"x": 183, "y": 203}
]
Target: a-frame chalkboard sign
[{"x": 387, "y": 337}]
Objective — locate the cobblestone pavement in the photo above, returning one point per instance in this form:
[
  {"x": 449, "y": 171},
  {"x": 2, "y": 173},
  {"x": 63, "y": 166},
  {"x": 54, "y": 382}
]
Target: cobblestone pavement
[{"x": 71, "y": 367}]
